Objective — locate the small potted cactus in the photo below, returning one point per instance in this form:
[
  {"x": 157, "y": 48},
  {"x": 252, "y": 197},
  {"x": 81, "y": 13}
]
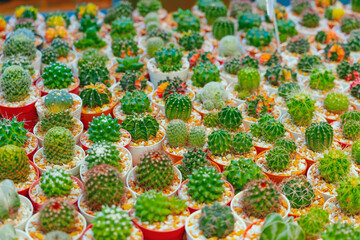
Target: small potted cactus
[
  {"x": 257, "y": 39},
  {"x": 334, "y": 104},
  {"x": 297, "y": 46},
  {"x": 145, "y": 7},
  {"x": 321, "y": 82},
  {"x": 277, "y": 75},
  {"x": 340, "y": 230},
  {"x": 194, "y": 40},
  {"x": 310, "y": 23},
  {"x": 232, "y": 65},
  {"x": 229, "y": 46},
  {"x": 248, "y": 21},
  {"x": 205, "y": 73},
  {"x": 154, "y": 171},
  {"x": 307, "y": 64},
  {"x": 91, "y": 39},
  {"x": 346, "y": 131},
  {"x": 160, "y": 216},
  {"x": 55, "y": 183},
  {"x": 313, "y": 222},
  {"x": 22, "y": 61},
  {"x": 248, "y": 82},
  {"x": 126, "y": 64},
  {"x": 59, "y": 151},
  {"x": 126, "y": 47},
  {"x": 355, "y": 93}
]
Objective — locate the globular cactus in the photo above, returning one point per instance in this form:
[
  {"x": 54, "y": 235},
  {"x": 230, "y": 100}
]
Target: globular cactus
[
  {"x": 279, "y": 74},
  {"x": 230, "y": 118},
  {"x": 126, "y": 46},
  {"x": 58, "y": 101},
  {"x": 213, "y": 96},
  {"x": 135, "y": 102},
  {"x": 310, "y": 20},
  {"x": 355, "y": 89},
  {"x": 15, "y": 84},
  {"x": 104, "y": 128},
  {"x": 103, "y": 187},
  {"x": 211, "y": 120},
  {"x": 122, "y": 27},
  {"x": 288, "y": 145},
  {"x": 61, "y": 119},
  {"x": 239, "y": 7},
  {"x": 61, "y": 46},
  {"x": 9, "y": 200},
  {"x": 178, "y": 106},
  {"x": 112, "y": 223},
  {"x": 153, "y": 45},
  {"x": 348, "y": 195},
  {"x": 58, "y": 214},
  {"x": 351, "y": 130},
  {"x": 168, "y": 59},
  {"x": 259, "y": 105},
  {"x": 205, "y": 185},
  {"x": 95, "y": 96},
  {"x": 21, "y": 61},
  {"x": 93, "y": 73},
  {"x": 142, "y": 127},
  {"x": 56, "y": 183},
  {"x": 285, "y": 89},
  {"x": 258, "y": 37},
  {"x": 273, "y": 130},
  {"x": 191, "y": 40},
  {"x": 57, "y": 235},
  {"x": 215, "y": 10},
  {"x": 240, "y": 172},
  {"x": 230, "y": 46},
  {"x": 103, "y": 153},
  {"x": 277, "y": 159},
  {"x": 129, "y": 81},
  {"x": 256, "y": 129},
  {"x": 355, "y": 151},
  {"x": 164, "y": 34},
  {"x": 260, "y": 198},
  {"x": 287, "y": 28},
  {"x": 59, "y": 146},
  {"x": 340, "y": 230},
  {"x": 216, "y": 221},
  {"x": 12, "y": 132},
  {"x": 177, "y": 133},
  {"x": 14, "y": 164},
  {"x": 313, "y": 222},
  {"x": 336, "y": 52},
  {"x": 242, "y": 143},
  {"x": 155, "y": 171},
  {"x": 49, "y": 55},
  {"x": 349, "y": 23},
  {"x": 193, "y": 159},
  {"x": 20, "y": 44},
  {"x": 146, "y": 6},
  {"x": 336, "y": 102},
  {"x": 299, "y": 6},
  {"x": 175, "y": 85},
  {"x": 186, "y": 21},
  {"x": 248, "y": 80},
  {"x": 250, "y": 62},
  {"x": 92, "y": 56},
  {"x": 301, "y": 108},
  {"x": 308, "y": 63},
  {"x": 197, "y": 136},
  {"x": 298, "y": 191},
  {"x": 248, "y": 20},
  {"x": 299, "y": 46},
  {"x": 222, "y": 27},
  {"x": 334, "y": 166},
  {"x": 354, "y": 43},
  {"x": 322, "y": 79},
  {"x": 205, "y": 73},
  {"x": 232, "y": 65},
  {"x": 57, "y": 76},
  {"x": 219, "y": 142},
  {"x": 319, "y": 136},
  {"x": 153, "y": 206}
]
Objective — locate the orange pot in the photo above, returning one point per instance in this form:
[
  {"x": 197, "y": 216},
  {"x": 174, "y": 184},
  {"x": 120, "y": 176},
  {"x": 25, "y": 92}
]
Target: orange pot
[{"x": 86, "y": 118}]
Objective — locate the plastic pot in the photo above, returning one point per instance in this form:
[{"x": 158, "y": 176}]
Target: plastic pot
[
  {"x": 26, "y": 191},
  {"x": 75, "y": 90},
  {"x": 87, "y": 118}
]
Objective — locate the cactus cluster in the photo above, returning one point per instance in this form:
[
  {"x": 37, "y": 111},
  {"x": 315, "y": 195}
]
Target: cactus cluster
[
  {"x": 301, "y": 108},
  {"x": 205, "y": 73},
  {"x": 178, "y": 106},
  {"x": 141, "y": 127},
  {"x": 287, "y": 28},
  {"x": 95, "y": 96},
  {"x": 259, "y": 105},
  {"x": 129, "y": 81},
  {"x": 349, "y": 23},
  {"x": 135, "y": 102},
  {"x": 191, "y": 40},
  {"x": 322, "y": 79},
  {"x": 123, "y": 8},
  {"x": 56, "y": 183},
  {"x": 213, "y": 96},
  {"x": 232, "y": 65},
  {"x": 104, "y": 128},
  {"x": 334, "y": 166},
  {"x": 14, "y": 164},
  {"x": 298, "y": 191},
  {"x": 268, "y": 128},
  {"x": 248, "y": 20},
  {"x": 193, "y": 159},
  {"x": 278, "y": 74},
  {"x": 103, "y": 153},
  {"x": 124, "y": 47},
  {"x": 285, "y": 89},
  {"x": 186, "y": 21},
  {"x": 146, "y": 6},
  {"x": 259, "y": 37},
  {"x": 310, "y": 20},
  {"x": 57, "y": 76},
  {"x": 169, "y": 59},
  {"x": 169, "y": 86},
  {"x": 20, "y": 61},
  {"x": 313, "y": 222},
  {"x": 319, "y": 136},
  {"x": 15, "y": 84},
  {"x": 299, "y": 46},
  {"x": 122, "y": 27},
  {"x": 12, "y": 132},
  {"x": 348, "y": 71},
  {"x": 49, "y": 55},
  {"x": 177, "y": 133}
]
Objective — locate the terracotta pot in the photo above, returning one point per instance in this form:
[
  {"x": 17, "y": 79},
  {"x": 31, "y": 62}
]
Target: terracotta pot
[
  {"x": 87, "y": 118},
  {"x": 26, "y": 191},
  {"x": 74, "y": 91},
  {"x": 173, "y": 157}
]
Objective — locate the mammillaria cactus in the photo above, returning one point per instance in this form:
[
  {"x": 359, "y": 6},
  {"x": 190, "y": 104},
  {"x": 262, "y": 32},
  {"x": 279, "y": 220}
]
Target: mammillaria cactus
[
  {"x": 14, "y": 164},
  {"x": 191, "y": 40},
  {"x": 232, "y": 65},
  {"x": 334, "y": 166},
  {"x": 205, "y": 73},
  {"x": 215, "y": 10},
  {"x": 258, "y": 37},
  {"x": 299, "y": 46},
  {"x": 319, "y": 136},
  {"x": 322, "y": 79},
  {"x": 219, "y": 142},
  {"x": 57, "y": 235},
  {"x": 298, "y": 191},
  {"x": 177, "y": 133},
  {"x": 248, "y": 80},
  {"x": 197, "y": 136},
  {"x": 279, "y": 74},
  {"x": 240, "y": 173},
  {"x": 93, "y": 73},
  {"x": 307, "y": 63},
  {"x": 286, "y": 144},
  {"x": 260, "y": 198},
  {"x": 222, "y": 27},
  {"x": 213, "y": 96},
  {"x": 61, "y": 119},
  {"x": 49, "y": 55},
  {"x": 122, "y": 27},
  {"x": 57, "y": 214},
  {"x": 15, "y": 84},
  {"x": 168, "y": 59},
  {"x": 146, "y": 6},
  {"x": 205, "y": 185},
  {"x": 355, "y": 151},
  {"x": 351, "y": 130},
  {"x": 9, "y": 200},
  {"x": 301, "y": 108},
  {"x": 285, "y": 89},
  {"x": 19, "y": 60},
  {"x": 230, "y": 118},
  {"x": 57, "y": 76},
  {"x": 216, "y": 221},
  {"x": 313, "y": 222},
  {"x": 349, "y": 23},
  {"x": 135, "y": 102},
  {"x": 242, "y": 143},
  {"x": 59, "y": 146},
  {"x": 56, "y": 183},
  {"x": 95, "y": 96},
  {"x": 165, "y": 35},
  {"x": 178, "y": 106},
  {"x": 20, "y": 44},
  {"x": 348, "y": 195},
  {"x": 104, "y": 128},
  {"x": 276, "y": 226},
  {"x": 142, "y": 127},
  {"x": 103, "y": 153},
  {"x": 248, "y": 20},
  {"x": 340, "y": 230},
  {"x": 299, "y": 6},
  {"x": 112, "y": 223},
  {"x": 103, "y": 187},
  {"x": 248, "y": 61},
  {"x": 277, "y": 159},
  {"x": 152, "y": 206},
  {"x": 58, "y": 101},
  {"x": 194, "y": 158},
  {"x": 230, "y": 46},
  {"x": 155, "y": 171},
  {"x": 336, "y": 102},
  {"x": 310, "y": 20},
  {"x": 12, "y": 132}
]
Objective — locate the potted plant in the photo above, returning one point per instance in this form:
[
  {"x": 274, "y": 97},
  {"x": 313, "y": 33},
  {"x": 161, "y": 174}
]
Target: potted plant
[
  {"x": 346, "y": 130},
  {"x": 277, "y": 75},
  {"x": 144, "y": 7},
  {"x": 339, "y": 230},
  {"x": 310, "y": 23},
  {"x": 124, "y": 47},
  {"x": 321, "y": 82},
  {"x": 125, "y": 64},
  {"x": 121, "y": 8},
  {"x": 257, "y": 39},
  {"x": 232, "y": 65},
  {"x": 307, "y": 64},
  {"x": 334, "y": 104},
  {"x": 313, "y": 222},
  {"x": 91, "y": 40},
  {"x": 22, "y": 61}
]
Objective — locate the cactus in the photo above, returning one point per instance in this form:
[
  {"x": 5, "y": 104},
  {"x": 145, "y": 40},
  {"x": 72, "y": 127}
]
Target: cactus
[
  {"x": 197, "y": 136},
  {"x": 219, "y": 142},
  {"x": 177, "y": 133},
  {"x": 285, "y": 89},
  {"x": 336, "y": 52},
  {"x": 308, "y": 63},
  {"x": 205, "y": 73},
  {"x": 232, "y": 65},
  {"x": 9, "y": 200},
  {"x": 215, "y": 10},
  {"x": 237, "y": 8},
  {"x": 230, "y": 118},
  {"x": 259, "y": 37},
  {"x": 15, "y": 84},
  {"x": 14, "y": 164},
  {"x": 57, "y": 19},
  {"x": 122, "y": 27},
  {"x": 59, "y": 146},
  {"x": 126, "y": 46},
  {"x": 287, "y": 28},
  {"x": 314, "y": 222},
  {"x": 334, "y": 166},
  {"x": 93, "y": 74},
  {"x": 152, "y": 206},
  {"x": 165, "y": 35},
  {"x": 20, "y": 44},
  {"x": 178, "y": 106},
  {"x": 123, "y": 8},
  {"x": 57, "y": 235},
  {"x": 321, "y": 37},
  {"x": 347, "y": 71},
  {"x": 351, "y": 130},
  {"x": 277, "y": 159},
  {"x": 169, "y": 59},
  {"x": 355, "y": 89},
  {"x": 20, "y": 61},
  {"x": 260, "y": 198},
  {"x": 322, "y": 79},
  {"x": 56, "y": 183},
  {"x": 211, "y": 120},
  {"x": 299, "y": 6},
  {"x": 129, "y": 81},
  {"x": 349, "y": 23},
  {"x": 298, "y": 46},
  {"x": 349, "y": 115},
  {"x": 12, "y": 132},
  {"x": 336, "y": 102},
  {"x": 273, "y": 130},
  {"x": 92, "y": 56},
  {"x": 240, "y": 172},
  {"x": 57, "y": 214},
  {"x": 49, "y": 55},
  {"x": 61, "y": 46},
  {"x": 103, "y": 187},
  {"x": 301, "y": 108},
  {"x": 242, "y": 143},
  {"x": 103, "y": 153},
  {"x": 348, "y": 195},
  {"x": 193, "y": 159},
  {"x": 216, "y": 221},
  {"x": 146, "y": 6},
  {"x": 222, "y": 27},
  {"x": 58, "y": 101},
  {"x": 340, "y": 230},
  {"x": 257, "y": 129},
  {"x": 153, "y": 45},
  {"x": 310, "y": 20},
  {"x": 61, "y": 119},
  {"x": 286, "y": 144},
  {"x": 230, "y": 46},
  {"x": 155, "y": 171},
  {"x": 186, "y": 21},
  {"x": 57, "y": 76},
  {"x": 278, "y": 74},
  {"x": 95, "y": 96},
  {"x": 170, "y": 86},
  {"x": 191, "y": 40},
  {"x": 141, "y": 128},
  {"x": 248, "y": 80},
  {"x": 319, "y": 136},
  {"x": 112, "y": 223},
  {"x": 354, "y": 43},
  {"x": 205, "y": 185},
  {"x": 104, "y": 128},
  {"x": 135, "y": 102},
  {"x": 298, "y": 191},
  {"x": 248, "y": 20},
  {"x": 355, "y": 151}
]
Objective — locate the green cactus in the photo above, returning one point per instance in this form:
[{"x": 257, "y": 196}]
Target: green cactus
[
  {"x": 240, "y": 172},
  {"x": 308, "y": 63},
  {"x": 19, "y": 60},
  {"x": 15, "y": 84},
  {"x": 168, "y": 59},
  {"x": 248, "y": 20},
  {"x": 193, "y": 159},
  {"x": 278, "y": 74},
  {"x": 239, "y": 8},
  {"x": 56, "y": 183},
  {"x": 122, "y": 27},
  {"x": 90, "y": 40},
  {"x": 58, "y": 101},
  {"x": 103, "y": 187},
  {"x": 61, "y": 119},
  {"x": 310, "y": 20},
  {"x": 165, "y": 35},
  {"x": 175, "y": 85},
  {"x": 351, "y": 130},
  {"x": 197, "y": 136},
  {"x": 126, "y": 46},
  {"x": 14, "y": 164},
  {"x": 259, "y": 37},
  {"x": 299, "y": 6},
  {"x": 230, "y": 118},
  {"x": 355, "y": 89},
  {"x": 57, "y": 214},
  {"x": 95, "y": 96},
  {"x": 87, "y": 22},
  {"x": 205, "y": 73},
  {"x": 272, "y": 130},
  {"x": 186, "y": 21},
  {"x": 313, "y": 222},
  {"x": 135, "y": 102},
  {"x": 57, "y": 235},
  {"x": 104, "y": 128},
  {"x": 103, "y": 153},
  {"x": 347, "y": 71},
  {"x": 20, "y": 44},
  {"x": 298, "y": 191},
  {"x": 191, "y": 40},
  {"x": 277, "y": 159},
  {"x": 92, "y": 56},
  {"x": 128, "y": 64},
  {"x": 222, "y": 27},
  {"x": 248, "y": 61},
  {"x": 211, "y": 120},
  {"x": 331, "y": 52},
  {"x": 129, "y": 81},
  {"x": 232, "y": 65},
  {"x": 286, "y": 144},
  {"x": 257, "y": 129},
  {"x": 141, "y": 128},
  {"x": 354, "y": 43},
  {"x": 322, "y": 79},
  {"x": 146, "y": 6},
  {"x": 91, "y": 73},
  {"x": 319, "y": 136},
  {"x": 349, "y": 115},
  {"x": 219, "y": 142},
  {"x": 10, "y": 200},
  {"x": 355, "y": 151},
  {"x": 57, "y": 76},
  {"x": 216, "y": 221},
  {"x": 340, "y": 230},
  {"x": 285, "y": 89},
  {"x": 49, "y": 55},
  {"x": 260, "y": 198},
  {"x": 59, "y": 146},
  {"x": 215, "y": 10},
  {"x": 348, "y": 195},
  {"x": 299, "y": 46},
  {"x": 336, "y": 102},
  {"x": 122, "y": 8},
  {"x": 230, "y": 46},
  {"x": 248, "y": 80},
  {"x": 177, "y": 133},
  {"x": 334, "y": 166},
  {"x": 349, "y": 23},
  {"x": 320, "y": 37},
  {"x": 205, "y": 185},
  {"x": 242, "y": 143},
  {"x": 12, "y": 132},
  {"x": 287, "y": 28},
  {"x": 178, "y": 106},
  {"x": 301, "y": 108}
]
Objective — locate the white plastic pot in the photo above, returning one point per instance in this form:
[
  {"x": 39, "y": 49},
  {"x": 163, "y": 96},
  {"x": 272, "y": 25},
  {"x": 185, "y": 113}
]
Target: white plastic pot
[
  {"x": 27, "y": 203},
  {"x": 21, "y": 235}
]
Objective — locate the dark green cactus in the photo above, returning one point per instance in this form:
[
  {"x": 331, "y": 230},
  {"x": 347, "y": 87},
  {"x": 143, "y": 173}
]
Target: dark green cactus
[
  {"x": 57, "y": 76},
  {"x": 123, "y": 8},
  {"x": 103, "y": 153},
  {"x": 222, "y": 27},
  {"x": 125, "y": 46},
  {"x": 178, "y": 106},
  {"x": 230, "y": 118},
  {"x": 56, "y": 183},
  {"x": 104, "y": 128},
  {"x": 197, "y": 136},
  {"x": 215, "y": 10},
  {"x": 146, "y": 6},
  {"x": 319, "y": 136},
  {"x": 308, "y": 63},
  {"x": 248, "y": 20},
  {"x": 219, "y": 142},
  {"x": 349, "y": 23},
  {"x": 123, "y": 27},
  {"x": 279, "y": 74},
  {"x": 142, "y": 127},
  {"x": 259, "y": 37},
  {"x": 91, "y": 73},
  {"x": 168, "y": 59},
  {"x": 286, "y": 144},
  {"x": 193, "y": 159},
  {"x": 135, "y": 102},
  {"x": 299, "y": 46},
  {"x": 334, "y": 166},
  {"x": 211, "y": 120},
  {"x": 298, "y": 191},
  {"x": 49, "y": 55},
  {"x": 191, "y": 40},
  {"x": 310, "y": 20},
  {"x": 277, "y": 159},
  {"x": 12, "y": 132},
  {"x": 285, "y": 89},
  {"x": 242, "y": 143},
  {"x": 95, "y": 96}
]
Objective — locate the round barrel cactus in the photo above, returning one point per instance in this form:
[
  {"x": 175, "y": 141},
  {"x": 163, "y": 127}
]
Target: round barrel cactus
[
  {"x": 15, "y": 84},
  {"x": 334, "y": 166},
  {"x": 178, "y": 106},
  {"x": 177, "y": 133},
  {"x": 104, "y": 128},
  {"x": 230, "y": 118},
  {"x": 141, "y": 127},
  {"x": 58, "y": 101},
  {"x": 319, "y": 136},
  {"x": 56, "y": 183},
  {"x": 248, "y": 80},
  {"x": 222, "y": 27},
  {"x": 219, "y": 142},
  {"x": 298, "y": 191},
  {"x": 14, "y": 164}
]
